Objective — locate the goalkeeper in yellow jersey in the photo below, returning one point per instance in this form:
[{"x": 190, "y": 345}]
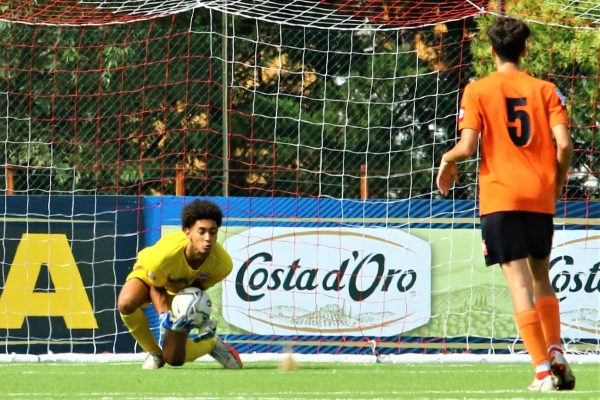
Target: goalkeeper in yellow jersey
[{"x": 178, "y": 260}]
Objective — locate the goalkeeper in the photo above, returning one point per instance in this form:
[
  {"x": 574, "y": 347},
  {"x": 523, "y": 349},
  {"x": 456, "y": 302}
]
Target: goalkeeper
[
  {"x": 191, "y": 257},
  {"x": 521, "y": 123}
]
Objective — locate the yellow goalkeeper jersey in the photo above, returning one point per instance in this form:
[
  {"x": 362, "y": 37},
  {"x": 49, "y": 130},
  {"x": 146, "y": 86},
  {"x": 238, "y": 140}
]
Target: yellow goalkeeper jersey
[{"x": 165, "y": 261}]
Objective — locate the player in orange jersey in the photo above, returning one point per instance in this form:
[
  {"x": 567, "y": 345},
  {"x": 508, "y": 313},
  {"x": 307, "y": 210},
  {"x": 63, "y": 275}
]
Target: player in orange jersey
[
  {"x": 526, "y": 149},
  {"x": 191, "y": 257}
]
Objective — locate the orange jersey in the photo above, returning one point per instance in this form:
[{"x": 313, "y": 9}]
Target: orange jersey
[{"x": 514, "y": 113}]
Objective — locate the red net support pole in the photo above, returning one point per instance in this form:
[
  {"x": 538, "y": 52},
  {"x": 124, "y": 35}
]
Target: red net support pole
[
  {"x": 10, "y": 180},
  {"x": 179, "y": 180},
  {"x": 364, "y": 187}
]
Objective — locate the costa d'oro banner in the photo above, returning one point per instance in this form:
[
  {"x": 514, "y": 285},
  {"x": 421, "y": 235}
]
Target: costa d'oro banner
[
  {"x": 274, "y": 250},
  {"x": 327, "y": 281},
  {"x": 575, "y": 277}
]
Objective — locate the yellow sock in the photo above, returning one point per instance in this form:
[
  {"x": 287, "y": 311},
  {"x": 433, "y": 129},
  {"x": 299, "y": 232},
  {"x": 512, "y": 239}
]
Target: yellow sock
[
  {"x": 531, "y": 331},
  {"x": 547, "y": 308},
  {"x": 138, "y": 326},
  {"x": 194, "y": 350}
]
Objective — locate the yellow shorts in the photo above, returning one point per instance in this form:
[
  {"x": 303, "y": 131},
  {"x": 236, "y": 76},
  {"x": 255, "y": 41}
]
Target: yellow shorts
[
  {"x": 194, "y": 350},
  {"x": 139, "y": 273}
]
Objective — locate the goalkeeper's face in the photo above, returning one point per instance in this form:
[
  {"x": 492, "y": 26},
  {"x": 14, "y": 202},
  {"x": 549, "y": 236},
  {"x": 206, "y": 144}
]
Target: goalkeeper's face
[{"x": 203, "y": 236}]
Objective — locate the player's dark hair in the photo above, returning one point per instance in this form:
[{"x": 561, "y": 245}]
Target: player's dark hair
[
  {"x": 200, "y": 209},
  {"x": 508, "y": 37}
]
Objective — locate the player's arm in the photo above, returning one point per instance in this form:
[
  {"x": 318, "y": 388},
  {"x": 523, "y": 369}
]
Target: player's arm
[
  {"x": 159, "y": 298},
  {"x": 564, "y": 154},
  {"x": 465, "y": 148}
]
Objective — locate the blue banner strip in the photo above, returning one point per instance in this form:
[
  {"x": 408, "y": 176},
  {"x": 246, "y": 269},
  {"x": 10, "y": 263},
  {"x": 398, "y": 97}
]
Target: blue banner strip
[
  {"x": 328, "y": 212},
  {"x": 359, "y": 345}
]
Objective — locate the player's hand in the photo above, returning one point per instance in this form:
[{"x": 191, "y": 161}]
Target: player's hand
[
  {"x": 560, "y": 185},
  {"x": 181, "y": 324},
  {"x": 209, "y": 331},
  {"x": 558, "y": 193},
  {"x": 166, "y": 323},
  {"x": 447, "y": 175}
]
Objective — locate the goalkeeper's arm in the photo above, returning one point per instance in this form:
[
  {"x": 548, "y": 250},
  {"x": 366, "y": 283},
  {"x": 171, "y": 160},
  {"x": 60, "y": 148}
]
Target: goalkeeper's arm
[
  {"x": 173, "y": 331},
  {"x": 173, "y": 337},
  {"x": 160, "y": 299}
]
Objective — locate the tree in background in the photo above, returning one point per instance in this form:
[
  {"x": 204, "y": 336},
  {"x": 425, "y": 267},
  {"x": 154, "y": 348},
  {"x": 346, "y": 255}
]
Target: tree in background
[
  {"x": 122, "y": 108},
  {"x": 110, "y": 109},
  {"x": 384, "y": 100}
]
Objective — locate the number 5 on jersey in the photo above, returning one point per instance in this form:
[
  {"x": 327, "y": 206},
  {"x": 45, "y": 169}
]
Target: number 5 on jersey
[{"x": 520, "y": 115}]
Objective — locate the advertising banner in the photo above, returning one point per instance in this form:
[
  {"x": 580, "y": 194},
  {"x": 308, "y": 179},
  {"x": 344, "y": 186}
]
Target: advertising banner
[
  {"x": 64, "y": 260},
  {"x": 575, "y": 277},
  {"x": 324, "y": 275},
  {"x": 327, "y": 281}
]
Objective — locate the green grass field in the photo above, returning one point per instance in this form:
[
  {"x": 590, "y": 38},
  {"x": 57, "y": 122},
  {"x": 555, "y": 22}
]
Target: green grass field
[{"x": 263, "y": 380}]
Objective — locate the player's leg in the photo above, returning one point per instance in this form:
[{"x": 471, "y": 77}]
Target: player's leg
[
  {"x": 197, "y": 349},
  {"x": 548, "y": 309},
  {"x": 226, "y": 355},
  {"x": 133, "y": 295},
  {"x": 505, "y": 243},
  {"x": 546, "y": 302},
  {"x": 540, "y": 230},
  {"x": 174, "y": 333},
  {"x": 528, "y": 322},
  {"x": 174, "y": 347}
]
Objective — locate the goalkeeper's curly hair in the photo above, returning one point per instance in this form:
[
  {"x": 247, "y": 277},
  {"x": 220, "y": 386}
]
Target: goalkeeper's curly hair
[
  {"x": 508, "y": 37},
  {"x": 200, "y": 209}
]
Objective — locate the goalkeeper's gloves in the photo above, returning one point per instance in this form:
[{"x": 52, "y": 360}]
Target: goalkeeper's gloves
[
  {"x": 208, "y": 331},
  {"x": 167, "y": 323},
  {"x": 181, "y": 324}
]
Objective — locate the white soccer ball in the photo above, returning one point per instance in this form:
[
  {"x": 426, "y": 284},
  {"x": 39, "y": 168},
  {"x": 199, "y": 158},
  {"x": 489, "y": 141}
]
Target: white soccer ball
[{"x": 194, "y": 303}]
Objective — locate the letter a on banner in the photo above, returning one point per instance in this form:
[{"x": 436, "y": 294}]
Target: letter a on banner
[{"x": 69, "y": 300}]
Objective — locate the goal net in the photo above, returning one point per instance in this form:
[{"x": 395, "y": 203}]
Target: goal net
[{"x": 317, "y": 126}]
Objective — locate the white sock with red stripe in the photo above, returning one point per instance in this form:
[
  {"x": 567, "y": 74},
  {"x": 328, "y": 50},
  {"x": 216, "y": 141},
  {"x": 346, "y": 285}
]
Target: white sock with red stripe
[{"x": 542, "y": 371}]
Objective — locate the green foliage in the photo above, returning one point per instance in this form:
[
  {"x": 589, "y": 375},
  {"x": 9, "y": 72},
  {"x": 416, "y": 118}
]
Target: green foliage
[
  {"x": 344, "y": 100},
  {"x": 105, "y": 108},
  {"x": 119, "y": 108}
]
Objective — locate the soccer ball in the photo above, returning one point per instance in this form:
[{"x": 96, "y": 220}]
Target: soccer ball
[{"x": 194, "y": 303}]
